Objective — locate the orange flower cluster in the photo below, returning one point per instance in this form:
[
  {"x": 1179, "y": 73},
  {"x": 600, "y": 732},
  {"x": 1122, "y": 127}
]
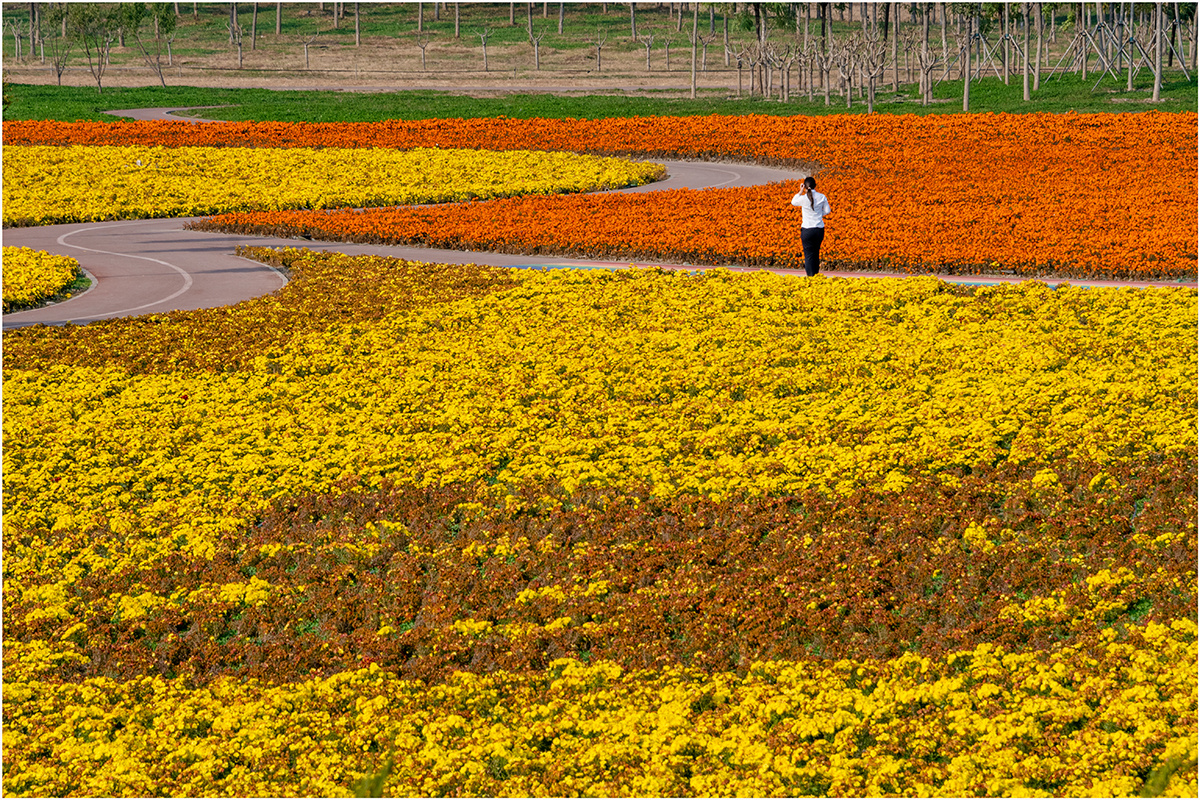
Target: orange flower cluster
[{"x": 1035, "y": 194}]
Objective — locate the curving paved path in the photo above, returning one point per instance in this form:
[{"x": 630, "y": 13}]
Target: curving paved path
[{"x": 155, "y": 266}]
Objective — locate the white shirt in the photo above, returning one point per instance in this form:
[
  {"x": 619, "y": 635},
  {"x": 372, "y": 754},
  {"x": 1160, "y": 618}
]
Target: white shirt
[{"x": 814, "y": 214}]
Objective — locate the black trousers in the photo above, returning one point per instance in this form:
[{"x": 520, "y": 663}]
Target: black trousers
[{"x": 810, "y": 240}]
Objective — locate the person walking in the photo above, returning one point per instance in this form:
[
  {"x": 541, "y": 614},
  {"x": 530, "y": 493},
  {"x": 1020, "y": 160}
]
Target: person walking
[{"x": 815, "y": 207}]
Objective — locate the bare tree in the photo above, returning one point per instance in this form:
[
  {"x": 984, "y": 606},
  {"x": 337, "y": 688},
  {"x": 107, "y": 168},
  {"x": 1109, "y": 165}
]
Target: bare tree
[
  {"x": 845, "y": 57},
  {"x": 62, "y": 46},
  {"x": 1025, "y": 56},
  {"x": 872, "y": 54},
  {"x": 927, "y": 61},
  {"x": 791, "y": 54},
  {"x": 894, "y": 14},
  {"x": 422, "y": 42},
  {"x": 705, "y": 41},
  {"x": 648, "y": 41},
  {"x": 966, "y": 68},
  {"x": 17, "y": 29},
  {"x": 536, "y": 41},
  {"x": 776, "y": 61},
  {"x": 825, "y": 57},
  {"x": 162, "y": 17},
  {"x": 741, "y": 56},
  {"x": 309, "y": 41},
  {"x": 95, "y": 26},
  {"x": 35, "y": 29},
  {"x": 598, "y": 43},
  {"x": 695, "y": 42},
  {"x": 725, "y": 34},
  {"x": 807, "y": 64},
  {"x": 1037, "y": 61},
  {"x": 235, "y": 35},
  {"x": 1158, "y": 52},
  {"x": 483, "y": 37}
]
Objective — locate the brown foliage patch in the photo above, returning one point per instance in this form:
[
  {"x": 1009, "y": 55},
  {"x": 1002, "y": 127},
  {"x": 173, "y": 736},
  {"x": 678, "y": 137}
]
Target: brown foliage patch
[{"x": 359, "y": 577}]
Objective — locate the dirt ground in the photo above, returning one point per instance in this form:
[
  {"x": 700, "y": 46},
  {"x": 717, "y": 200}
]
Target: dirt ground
[{"x": 381, "y": 67}]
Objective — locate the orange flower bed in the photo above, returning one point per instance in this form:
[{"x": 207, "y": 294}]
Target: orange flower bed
[{"x": 1083, "y": 195}]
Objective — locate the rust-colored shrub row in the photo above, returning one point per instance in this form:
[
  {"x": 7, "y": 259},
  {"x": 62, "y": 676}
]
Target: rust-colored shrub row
[
  {"x": 324, "y": 290},
  {"x": 1032, "y": 194},
  {"x": 426, "y": 582}
]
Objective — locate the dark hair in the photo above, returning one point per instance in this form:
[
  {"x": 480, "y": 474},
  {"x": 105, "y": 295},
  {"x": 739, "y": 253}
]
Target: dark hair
[{"x": 811, "y": 184}]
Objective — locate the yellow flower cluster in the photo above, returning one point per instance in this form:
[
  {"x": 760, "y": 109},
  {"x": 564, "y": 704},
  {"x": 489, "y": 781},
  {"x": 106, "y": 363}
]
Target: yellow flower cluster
[
  {"x": 981, "y": 722},
  {"x": 78, "y": 183},
  {"x": 33, "y": 276},
  {"x": 717, "y": 384},
  {"x": 729, "y": 385}
]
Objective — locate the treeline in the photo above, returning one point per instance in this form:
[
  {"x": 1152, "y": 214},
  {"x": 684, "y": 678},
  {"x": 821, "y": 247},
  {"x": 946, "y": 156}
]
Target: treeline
[{"x": 779, "y": 50}]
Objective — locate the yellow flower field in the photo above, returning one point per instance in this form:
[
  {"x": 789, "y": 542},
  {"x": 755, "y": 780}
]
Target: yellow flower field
[
  {"x": 704, "y": 385},
  {"x": 32, "y": 276},
  {"x": 423, "y": 529},
  {"x": 79, "y": 183},
  {"x": 983, "y": 722}
]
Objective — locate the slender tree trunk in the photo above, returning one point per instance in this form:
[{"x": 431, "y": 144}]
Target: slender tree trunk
[
  {"x": 1025, "y": 60},
  {"x": 1006, "y": 31},
  {"x": 966, "y": 70},
  {"x": 1171, "y": 38},
  {"x": 945, "y": 54},
  {"x": 254, "y": 28},
  {"x": 33, "y": 29},
  {"x": 1079, "y": 27},
  {"x": 695, "y": 40},
  {"x": 278, "y": 18},
  {"x": 895, "y": 47},
  {"x": 1129, "y": 66},
  {"x": 1194, "y": 41},
  {"x": 1037, "y": 62},
  {"x": 926, "y": 75},
  {"x": 725, "y": 23},
  {"x": 1158, "y": 51}
]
